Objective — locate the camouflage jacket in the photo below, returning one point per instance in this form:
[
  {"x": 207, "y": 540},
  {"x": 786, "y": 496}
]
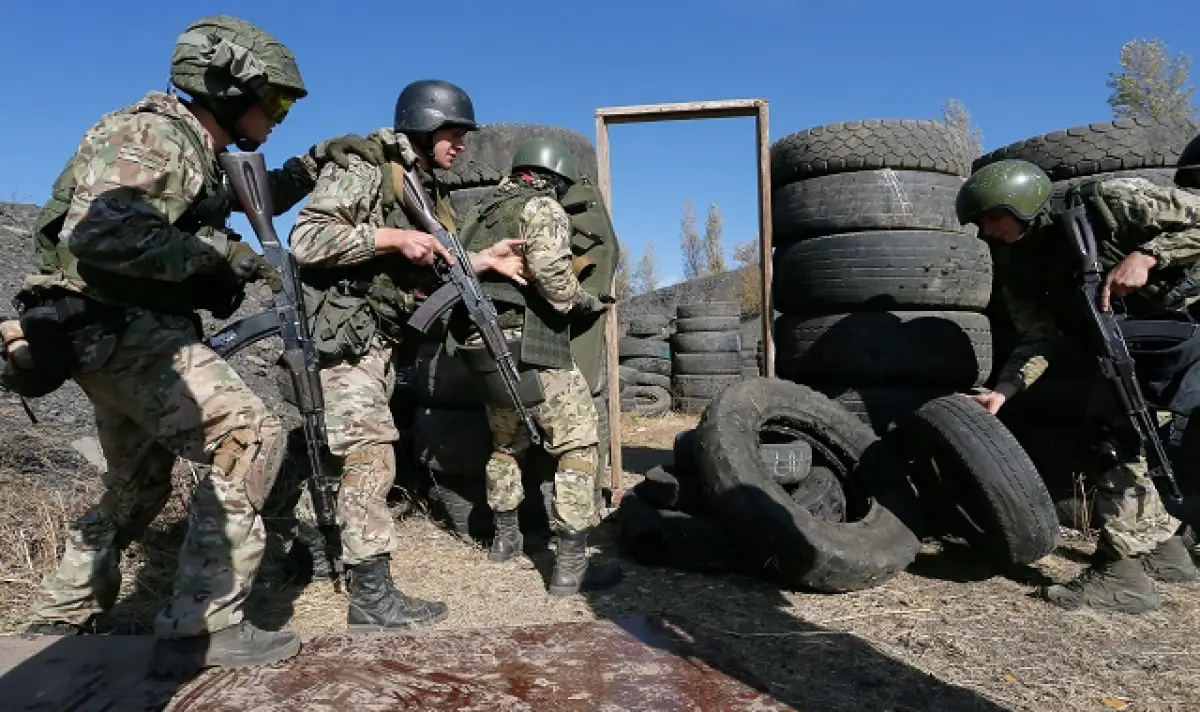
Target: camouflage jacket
[
  {"x": 1159, "y": 221},
  {"x": 138, "y": 171},
  {"x": 336, "y": 227}
]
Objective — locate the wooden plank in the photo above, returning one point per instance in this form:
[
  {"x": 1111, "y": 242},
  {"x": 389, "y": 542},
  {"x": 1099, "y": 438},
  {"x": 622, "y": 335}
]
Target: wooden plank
[
  {"x": 765, "y": 227},
  {"x": 721, "y": 109},
  {"x": 612, "y": 339}
]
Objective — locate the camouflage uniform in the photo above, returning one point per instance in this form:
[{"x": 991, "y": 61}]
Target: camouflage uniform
[
  {"x": 567, "y": 417},
  {"x": 336, "y": 229},
  {"x": 1161, "y": 222},
  {"x": 158, "y": 391}
]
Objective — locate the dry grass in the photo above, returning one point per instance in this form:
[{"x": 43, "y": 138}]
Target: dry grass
[{"x": 946, "y": 635}]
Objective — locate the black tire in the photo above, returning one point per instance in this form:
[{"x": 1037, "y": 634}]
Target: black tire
[
  {"x": 873, "y": 144},
  {"x": 648, "y": 325},
  {"x": 661, "y": 366},
  {"x": 821, "y": 495},
  {"x": 464, "y": 200},
  {"x": 883, "y": 270},
  {"x": 865, "y": 201},
  {"x": 489, "y": 152},
  {"x": 710, "y": 364},
  {"x": 951, "y": 349},
  {"x": 443, "y": 382},
  {"x": 869, "y": 549},
  {"x": 630, "y": 347},
  {"x": 659, "y": 537},
  {"x": 785, "y": 459},
  {"x": 666, "y": 488},
  {"x": 881, "y": 407},
  {"x": 700, "y": 386},
  {"x": 629, "y": 376},
  {"x": 653, "y": 379},
  {"x": 684, "y": 451},
  {"x": 1123, "y": 144},
  {"x": 707, "y": 323},
  {"x": 689, "y": 405},
  {"x": 986, "y": 486},
  {"x": 702, "y": 309},
  {"x": 467, "y": 451},
  {"x": 647, "y": 400},
  {"x": 1187, "y": 175},
  {"x": 703, "y": 342}
]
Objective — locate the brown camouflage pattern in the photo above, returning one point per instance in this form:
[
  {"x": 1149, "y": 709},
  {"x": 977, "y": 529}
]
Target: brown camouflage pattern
[
  {"x": 569, "y": 423},
  {"x": 336, "y": 227},
  {"x": 1158, "y": 220},
  {"x": 159, "y": 393},
  {"x": 360, "y": 429},
  {"x": 139, "y": 173}
]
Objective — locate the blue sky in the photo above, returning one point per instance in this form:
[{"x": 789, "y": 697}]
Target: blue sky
[{"x": 1022, "y": 68}]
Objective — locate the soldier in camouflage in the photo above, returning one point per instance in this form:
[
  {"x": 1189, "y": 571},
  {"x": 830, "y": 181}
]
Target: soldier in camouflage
[
  {"x": 1147, "y": 236},
  {"x": 537, "y": 321},
  {"x": 364, "y": 266},
  {"x": 131, "y": 245}
]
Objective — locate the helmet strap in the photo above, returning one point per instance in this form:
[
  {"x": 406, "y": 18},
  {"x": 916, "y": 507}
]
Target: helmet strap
[{"x": 226, "y": 113}]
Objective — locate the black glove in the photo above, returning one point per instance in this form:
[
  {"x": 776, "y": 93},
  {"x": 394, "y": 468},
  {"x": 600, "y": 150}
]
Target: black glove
[
  {"x": 339, "y": 149},
  {"x": 249, "y": 266}
]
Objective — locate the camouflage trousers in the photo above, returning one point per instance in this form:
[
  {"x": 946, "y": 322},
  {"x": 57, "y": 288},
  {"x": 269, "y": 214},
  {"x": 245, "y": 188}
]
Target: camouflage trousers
[
  {"x": 359, "y": 425},
  {"x": 1129, "y": 511},
  {"x": 159, "y": 393},
  {"x": 568, "y": 421}
]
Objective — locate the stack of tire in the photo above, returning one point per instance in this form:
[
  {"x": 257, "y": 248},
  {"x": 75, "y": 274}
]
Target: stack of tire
[
  {"x": 706, "y": 353},
  {"x": 881, "y": 292},
  {"x": 751, "y": 358},
  {"x": 1046, "y": 418},
  {"x": 645, "y": 366},
  {"x": 487, "y": 158}
]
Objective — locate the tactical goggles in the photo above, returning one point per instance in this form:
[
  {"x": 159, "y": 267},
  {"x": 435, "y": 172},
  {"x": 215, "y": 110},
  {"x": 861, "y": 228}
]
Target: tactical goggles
[{"x": 277, "y": 105}]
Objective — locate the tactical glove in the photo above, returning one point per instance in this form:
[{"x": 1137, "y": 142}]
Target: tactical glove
[
  {"x": 339, "y": 149},
  {"x": 249, "y": 266}
]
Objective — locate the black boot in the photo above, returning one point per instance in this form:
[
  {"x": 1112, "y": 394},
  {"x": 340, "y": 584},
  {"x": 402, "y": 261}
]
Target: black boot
[
  {"x": 62, "y": 628},
  {"x": 238, "y": 646},
  {"x": 508, "y": 542},
  {"x": 572, "y": 570},
  {"x": 376, "y": 603}
]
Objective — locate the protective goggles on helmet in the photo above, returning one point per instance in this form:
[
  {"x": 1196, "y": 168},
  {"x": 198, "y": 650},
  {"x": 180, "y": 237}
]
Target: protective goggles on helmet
[{"x": 277, "y": 104}]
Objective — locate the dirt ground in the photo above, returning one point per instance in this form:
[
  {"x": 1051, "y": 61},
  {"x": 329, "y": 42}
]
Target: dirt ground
[{"x": 945, "y": 635}]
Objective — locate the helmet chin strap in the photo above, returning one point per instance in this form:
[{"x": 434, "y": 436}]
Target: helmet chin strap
[{"x": 227, "y": 117}]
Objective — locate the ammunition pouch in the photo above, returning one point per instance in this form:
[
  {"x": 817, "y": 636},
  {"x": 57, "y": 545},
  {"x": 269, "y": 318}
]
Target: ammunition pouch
[
  {"x": 48, "y": 322},
  {"x": 486, "y": 372},
  {"x": 340, "y": 322}
]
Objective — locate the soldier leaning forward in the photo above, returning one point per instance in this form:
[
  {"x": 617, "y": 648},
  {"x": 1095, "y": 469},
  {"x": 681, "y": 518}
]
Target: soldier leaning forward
[
  {"x": 127, "y": 250},
  {"x": 537, "y": 320},
  {"x": 363, "y": 265},
  {"x": 1148, "y": 243}
]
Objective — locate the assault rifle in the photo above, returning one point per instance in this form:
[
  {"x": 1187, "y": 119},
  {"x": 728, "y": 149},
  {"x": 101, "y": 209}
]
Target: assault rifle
[
  {"x": 247, "y": 173},
  {"x": 462, "y": 286},
  {"x": 1117, "y": 366}
]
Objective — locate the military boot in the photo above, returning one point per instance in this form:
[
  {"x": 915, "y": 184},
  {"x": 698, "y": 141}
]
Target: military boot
[
  {"x": 1170, "y": 562},
  {"x": 239, "y": 646},
  {"x": 1109, "y": 585},
  {"x": 62, "y": 628},
  {"x": 376, "y": 603},
  {"x": 572, "y": 570},
  {"x": 508, "y": 542}
]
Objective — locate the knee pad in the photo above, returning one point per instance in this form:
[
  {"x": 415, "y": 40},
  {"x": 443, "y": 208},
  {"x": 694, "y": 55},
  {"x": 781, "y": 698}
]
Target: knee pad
[
  {"x": 253, "y": 456},
  {"x": 585, "y": 460}
]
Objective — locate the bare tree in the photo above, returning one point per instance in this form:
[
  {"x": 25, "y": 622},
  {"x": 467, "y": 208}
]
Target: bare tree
[
  {"x": 1150, "y": 83},
  {"x": 645, "y": 276},
  {"x": 693, "y": 250},
  {"x": 714, "y": 251},
  {"x": 955, "y": 114},
  {"x": 623, "y": 287},
  {"x": 746, "y": 256}
]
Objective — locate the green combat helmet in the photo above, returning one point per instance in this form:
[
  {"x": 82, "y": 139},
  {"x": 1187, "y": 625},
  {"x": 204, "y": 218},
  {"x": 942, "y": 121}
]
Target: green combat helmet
[
  {"x": 228, "y": 65},
  {"x": 1018, "y": 186},
  {"x": 547, "y": 154}
]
